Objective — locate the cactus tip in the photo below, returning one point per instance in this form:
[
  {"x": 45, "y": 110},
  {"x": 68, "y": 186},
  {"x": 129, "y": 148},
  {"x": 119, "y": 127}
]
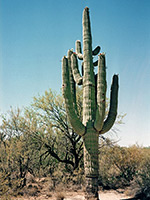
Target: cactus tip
[
  {"x": 86, "y": 8},
  {"x": 70, "y": 51},
  {"x": 64, "y": 59},
  {"x": 115, "y": 77}
]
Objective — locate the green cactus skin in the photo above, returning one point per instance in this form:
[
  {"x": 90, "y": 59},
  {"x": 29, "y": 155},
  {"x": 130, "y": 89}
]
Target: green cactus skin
[
  {"x": 75, "y": 69},
  {"x": 96, "y": 51},
  {"x": 94, "y": 99},
  {"x": 78, "y": 50},
  {"x": 69, "y": 96},
  {"x": 101, "y": 95},
  {"x": 72, "y": 82}
]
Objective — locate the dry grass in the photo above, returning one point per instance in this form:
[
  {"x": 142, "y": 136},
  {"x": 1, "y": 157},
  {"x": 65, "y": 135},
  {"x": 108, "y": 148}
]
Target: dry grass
[
  {"x": 43, "y": 189},
  {"x": 60, "y": 196}
]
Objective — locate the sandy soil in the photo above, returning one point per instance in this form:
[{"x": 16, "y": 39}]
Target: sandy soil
[
  {"x": 43, "y": 189},
  {"x": 104, "y": 195},
  {"x": 113, "y": 195}
]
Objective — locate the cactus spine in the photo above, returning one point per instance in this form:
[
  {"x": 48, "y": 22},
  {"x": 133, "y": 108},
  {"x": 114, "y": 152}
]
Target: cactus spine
[{"x": 94, "y": 97}]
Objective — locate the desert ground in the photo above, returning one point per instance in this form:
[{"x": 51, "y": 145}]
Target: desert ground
[
  {"x": 104, "y": 195},
  {"x": 45, "y": 189}
]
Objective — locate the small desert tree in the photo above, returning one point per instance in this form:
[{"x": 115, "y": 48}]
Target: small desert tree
[
  {"x": 44, "y": 127},
  {"x": 64, "y": 144},
  {"x": 16, "y": 155}
]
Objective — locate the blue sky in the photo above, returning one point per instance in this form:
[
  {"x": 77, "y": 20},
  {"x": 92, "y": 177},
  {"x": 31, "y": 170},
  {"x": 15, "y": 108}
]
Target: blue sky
[{"x": 36, "y": 34}]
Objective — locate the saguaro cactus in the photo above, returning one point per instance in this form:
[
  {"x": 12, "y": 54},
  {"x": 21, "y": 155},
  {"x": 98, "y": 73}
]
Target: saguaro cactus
[{"x": 94, "y": 100}]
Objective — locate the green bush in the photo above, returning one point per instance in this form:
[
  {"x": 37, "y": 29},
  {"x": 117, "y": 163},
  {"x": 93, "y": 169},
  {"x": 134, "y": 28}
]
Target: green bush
[
  {"x": 143, "y": 175},
  {"x": 119, "y": 165}
]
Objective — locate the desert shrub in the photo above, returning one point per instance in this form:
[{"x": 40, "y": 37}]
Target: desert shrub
[
  {"x": 3, "y": 183},
  {"x": 78, "y": 177},
  {"x": 143, "y": 175},
  {"x": 18, "y": 155},
  {"x": 13, "y": 167},
  {"x": 40, "y": 140},
  {"x": 118, "y": 165}
]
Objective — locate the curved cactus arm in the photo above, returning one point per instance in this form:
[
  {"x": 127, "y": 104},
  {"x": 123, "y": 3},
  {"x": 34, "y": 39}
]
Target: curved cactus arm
[
  {"x": 75, "y": 69},
  {"x": 113, "y": 106},
  {"x": 95, "y": 63},
  {"x": 73, "y": 117},
  {"x": 72, "y": 82},
  {"x": 96, "y": 51},
  {"x": 78, "y": 50},
  {"x": 82, "y": 68},
  {"x": 101, "y": 93}
]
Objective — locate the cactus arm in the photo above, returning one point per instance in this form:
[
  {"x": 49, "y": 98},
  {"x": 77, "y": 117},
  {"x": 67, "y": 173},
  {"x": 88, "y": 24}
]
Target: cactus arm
[
  {"x": 101, "y": 93},
  {"x": 113, "y": 106},
  {"x": 82, "y": 68},
  {"x": 72, "y": 82},
  {"x": 95, "y": 63},
  {"x": 89, "y": 104},
  {"x": 72, "y": 115},
  {"x": 75, "y": 70},
  {"x": 96, "y": 51},
  {"x": 78, "y": 50}
]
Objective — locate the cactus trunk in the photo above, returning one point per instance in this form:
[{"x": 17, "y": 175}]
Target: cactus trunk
[
  {"x": 94, "y": 94},
  {"x": 91, "y": 163}
]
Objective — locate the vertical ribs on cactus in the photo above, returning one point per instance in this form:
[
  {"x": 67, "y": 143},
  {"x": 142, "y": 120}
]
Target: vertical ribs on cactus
[
  {"x": 94, "y": 121},
  {"x": 71, "y": 75}
]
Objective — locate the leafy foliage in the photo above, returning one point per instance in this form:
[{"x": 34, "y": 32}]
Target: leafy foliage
[
  {"x": 39, "y": 141},
  {"x": 143, "y": 175},
  {"x": 119, "y": 165}
]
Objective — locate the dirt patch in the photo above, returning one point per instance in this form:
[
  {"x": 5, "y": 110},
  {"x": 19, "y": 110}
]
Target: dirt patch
[
  {"x": 113, "y": 195},
  {"x": 104, "y": 195},
  {"x": 46, "y": 189}
]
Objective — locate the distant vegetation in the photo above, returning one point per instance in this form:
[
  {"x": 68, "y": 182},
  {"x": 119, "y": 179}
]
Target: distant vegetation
[{"x": 40, "y": 141}]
